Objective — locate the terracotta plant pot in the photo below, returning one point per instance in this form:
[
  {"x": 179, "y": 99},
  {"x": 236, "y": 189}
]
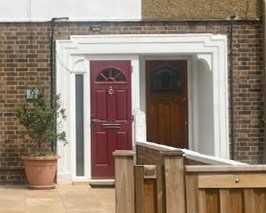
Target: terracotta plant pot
[{"x": 40, "y": 171}]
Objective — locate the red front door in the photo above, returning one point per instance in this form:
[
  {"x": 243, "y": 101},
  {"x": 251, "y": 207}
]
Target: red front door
[{"x": 110, "y": 114}]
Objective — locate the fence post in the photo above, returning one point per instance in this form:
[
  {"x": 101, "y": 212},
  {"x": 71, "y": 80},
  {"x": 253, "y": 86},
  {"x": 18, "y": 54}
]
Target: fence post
[
  {"x": 124, "y": 181},
  {"x": 174, "y": 181}
]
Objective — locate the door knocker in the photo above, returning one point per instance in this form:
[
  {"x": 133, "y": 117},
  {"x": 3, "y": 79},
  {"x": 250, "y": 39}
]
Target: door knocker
[{"x": 111, "y": 91}]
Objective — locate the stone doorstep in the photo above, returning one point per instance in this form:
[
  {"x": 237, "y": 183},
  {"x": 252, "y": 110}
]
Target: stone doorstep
[{"x": 99, "y": 182}]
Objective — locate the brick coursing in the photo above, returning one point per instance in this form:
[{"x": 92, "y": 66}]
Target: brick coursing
[
  {"x": 248, "y": 93},
  {"x": 25, "y": 58}
]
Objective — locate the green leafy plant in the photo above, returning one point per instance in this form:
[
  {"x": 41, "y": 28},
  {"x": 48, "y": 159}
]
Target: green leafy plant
[{"x": 42, "y": 121}]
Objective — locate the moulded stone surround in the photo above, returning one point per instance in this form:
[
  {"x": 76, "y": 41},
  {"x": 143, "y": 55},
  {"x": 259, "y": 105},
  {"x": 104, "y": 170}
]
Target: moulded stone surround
[{"x": 74, "y": 55}]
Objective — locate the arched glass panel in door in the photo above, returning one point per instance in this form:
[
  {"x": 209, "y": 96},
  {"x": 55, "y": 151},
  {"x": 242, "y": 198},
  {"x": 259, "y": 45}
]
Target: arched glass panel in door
[{"x": 111, "y": 74}]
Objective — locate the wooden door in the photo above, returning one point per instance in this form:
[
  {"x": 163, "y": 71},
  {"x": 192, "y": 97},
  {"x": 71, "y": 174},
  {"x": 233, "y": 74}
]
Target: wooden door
[
  {"x": 111, "y": 122},
  {"x": 167, "y": 117}
]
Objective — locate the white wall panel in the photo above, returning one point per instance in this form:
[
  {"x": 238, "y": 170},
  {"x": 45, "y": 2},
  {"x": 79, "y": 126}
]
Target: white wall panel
[
  {"x": 76, "y": 10},
  {"x": 205, "y": 109},
  {"x": 13, "y": 9}
]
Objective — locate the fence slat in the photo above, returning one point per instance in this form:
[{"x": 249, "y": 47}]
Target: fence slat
[
  {"x": 260, "y": 200},
  {"x": 202, "y": 201},
  {"x": 224, "y": 200},
  {"x": 139, "y": 188},
  {"x": 150, "y": 201},
  {"x": 192, "y": 193},
  {"x": 124, "y": 181},
  {"x": 249, "y": 201},
  {"x": 160, "y": 190},
  {"x": 174, "y": 182}
]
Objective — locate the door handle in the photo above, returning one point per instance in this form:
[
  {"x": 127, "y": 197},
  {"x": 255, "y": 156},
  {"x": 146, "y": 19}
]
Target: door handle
[{"x": 95, "y": 120}]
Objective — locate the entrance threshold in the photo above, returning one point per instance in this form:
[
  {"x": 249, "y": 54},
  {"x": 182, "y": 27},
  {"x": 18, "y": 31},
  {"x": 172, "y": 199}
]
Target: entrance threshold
[{"x": 96, "y": 182}]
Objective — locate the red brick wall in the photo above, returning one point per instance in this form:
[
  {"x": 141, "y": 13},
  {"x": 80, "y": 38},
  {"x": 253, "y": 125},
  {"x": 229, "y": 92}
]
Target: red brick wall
[{"x": 25, "y": 58}]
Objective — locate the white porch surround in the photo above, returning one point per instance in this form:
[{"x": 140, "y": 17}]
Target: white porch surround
[{"x": 207, "y": 57}]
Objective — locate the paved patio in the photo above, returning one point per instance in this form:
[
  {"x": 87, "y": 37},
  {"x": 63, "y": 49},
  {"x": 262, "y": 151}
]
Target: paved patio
[{"x": 65, "y": 198}]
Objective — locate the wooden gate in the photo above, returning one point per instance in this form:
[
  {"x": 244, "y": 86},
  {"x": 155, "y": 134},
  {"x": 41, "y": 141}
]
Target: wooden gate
[
  {"x": 170, "y": 185},
  {"x": 226, "y": 189}
]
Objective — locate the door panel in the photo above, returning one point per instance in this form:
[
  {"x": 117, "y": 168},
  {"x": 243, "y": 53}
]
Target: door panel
[
  {"x": 101, "y": 147},
  {"x": 111, "y": 123},
  {"x": 167, "y": 119}
]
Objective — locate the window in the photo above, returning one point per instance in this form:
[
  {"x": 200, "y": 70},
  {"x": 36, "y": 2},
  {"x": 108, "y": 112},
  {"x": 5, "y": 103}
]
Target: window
[
  {"x": 166, "y": 79},
  {"x": 111, "y": 75},
  {"x": 79, "y": 125}
]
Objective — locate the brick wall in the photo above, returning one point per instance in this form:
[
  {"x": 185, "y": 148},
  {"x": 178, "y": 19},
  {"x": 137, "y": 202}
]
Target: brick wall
[
  {"x": 248, "y": 93},
  {"x": 25, "y": 58}
]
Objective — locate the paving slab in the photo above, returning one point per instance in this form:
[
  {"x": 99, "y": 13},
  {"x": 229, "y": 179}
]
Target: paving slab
[{"x": 64, "y": 198}]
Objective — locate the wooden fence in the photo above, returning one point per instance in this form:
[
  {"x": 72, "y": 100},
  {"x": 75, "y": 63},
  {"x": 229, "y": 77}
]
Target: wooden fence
[
  {"x": 225, "y": 189},
  {"x": 173, "y": 186}
]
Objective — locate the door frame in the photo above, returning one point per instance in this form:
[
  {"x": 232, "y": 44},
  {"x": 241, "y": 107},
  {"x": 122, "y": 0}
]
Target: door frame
[
  {"x": 69, "y": 93},
  {"x": 74, "y": 56}
]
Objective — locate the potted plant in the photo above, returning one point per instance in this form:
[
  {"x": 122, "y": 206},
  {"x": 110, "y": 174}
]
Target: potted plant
[{"x": 42, "y": 122}]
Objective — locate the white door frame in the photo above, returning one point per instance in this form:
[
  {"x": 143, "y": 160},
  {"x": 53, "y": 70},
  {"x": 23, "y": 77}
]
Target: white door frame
[{"x": 73, "y": 57}]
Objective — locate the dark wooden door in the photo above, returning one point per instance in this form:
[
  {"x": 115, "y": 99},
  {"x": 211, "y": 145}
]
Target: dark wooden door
[
  {"x": 111, "y": 122},
  {"x": 167, "y": 106}
]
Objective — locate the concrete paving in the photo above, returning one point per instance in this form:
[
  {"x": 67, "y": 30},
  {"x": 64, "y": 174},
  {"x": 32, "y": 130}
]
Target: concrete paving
[{"x": 65, "y": 198}]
